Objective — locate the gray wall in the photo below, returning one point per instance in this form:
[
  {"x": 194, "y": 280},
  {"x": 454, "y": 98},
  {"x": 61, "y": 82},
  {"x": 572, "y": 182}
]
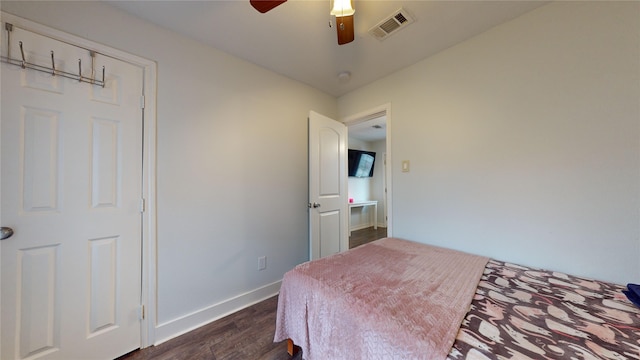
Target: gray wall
[{"x": 524, "y": 141}]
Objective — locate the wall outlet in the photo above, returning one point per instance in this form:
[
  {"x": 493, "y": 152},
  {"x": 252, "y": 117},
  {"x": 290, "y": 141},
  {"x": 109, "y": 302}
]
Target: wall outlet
[{"x": 262, "y": 262}]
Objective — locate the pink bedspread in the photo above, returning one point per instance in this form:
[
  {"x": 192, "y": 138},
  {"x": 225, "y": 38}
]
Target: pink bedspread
[{"x": 390, "y": 299}]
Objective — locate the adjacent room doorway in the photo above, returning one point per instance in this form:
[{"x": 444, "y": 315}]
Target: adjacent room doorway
[{"x": 370, "y": 130}]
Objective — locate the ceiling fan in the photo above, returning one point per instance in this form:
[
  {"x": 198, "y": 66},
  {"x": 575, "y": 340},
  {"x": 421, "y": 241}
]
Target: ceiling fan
[{"x": 341, "y": 9}]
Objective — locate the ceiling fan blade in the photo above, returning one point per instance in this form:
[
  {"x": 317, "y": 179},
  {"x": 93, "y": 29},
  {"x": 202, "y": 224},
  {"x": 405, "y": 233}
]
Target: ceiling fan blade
[
  {"x": 265, "y": 5},
  {"x": 344, "y": 26}
]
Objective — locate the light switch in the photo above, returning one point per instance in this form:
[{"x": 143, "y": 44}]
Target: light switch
[{"x": 405, "y": 165}]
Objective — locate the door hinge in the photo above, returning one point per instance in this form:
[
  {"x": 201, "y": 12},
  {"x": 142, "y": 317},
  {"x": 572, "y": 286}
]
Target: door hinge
[
  {"x": 143, "y": 205},
  {"x": 141, "y": 312},
  {"x": 142, "y": 103}
]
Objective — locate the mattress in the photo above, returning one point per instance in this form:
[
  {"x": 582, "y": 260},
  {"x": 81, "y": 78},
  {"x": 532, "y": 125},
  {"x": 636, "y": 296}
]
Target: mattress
[{"x": 389, "y": 299}]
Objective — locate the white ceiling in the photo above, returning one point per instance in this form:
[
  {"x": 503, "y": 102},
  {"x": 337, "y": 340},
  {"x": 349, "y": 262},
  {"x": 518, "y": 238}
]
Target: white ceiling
[
  {"x": 370, "y": 130},
  {"x": 295, "y": 39}
]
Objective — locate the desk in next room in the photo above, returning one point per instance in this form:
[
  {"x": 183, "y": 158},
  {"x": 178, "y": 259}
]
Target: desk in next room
[{"x": 363, "y": 204}]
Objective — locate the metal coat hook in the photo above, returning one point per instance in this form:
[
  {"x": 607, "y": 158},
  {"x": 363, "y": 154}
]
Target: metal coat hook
[
  {"x": 22, "y": 52},
  {"x": 53, "y": 65},
  {"x": 51, "y": 70},
  {"x": 93, "y": 60},
  {"x": 9, "y": 28}
]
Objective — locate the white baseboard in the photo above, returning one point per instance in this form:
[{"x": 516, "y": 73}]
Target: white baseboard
[
  {"x": 184, "y": 324},
  {"x": 364, "y": 226},
  {"x": 360, "y": 227}
]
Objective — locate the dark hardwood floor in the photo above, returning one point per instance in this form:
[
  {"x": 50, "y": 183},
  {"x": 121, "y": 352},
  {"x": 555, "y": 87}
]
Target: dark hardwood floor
[
  {"x": 364, "y": 236},
  {"x": 246, "y": 334}
]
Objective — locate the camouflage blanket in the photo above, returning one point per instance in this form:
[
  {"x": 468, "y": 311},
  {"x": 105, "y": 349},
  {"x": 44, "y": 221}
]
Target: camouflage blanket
[{"x": 526, "y": 313}]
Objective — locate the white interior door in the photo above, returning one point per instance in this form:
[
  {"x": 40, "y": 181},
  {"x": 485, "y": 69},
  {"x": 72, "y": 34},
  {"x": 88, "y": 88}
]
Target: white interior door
[
  {"x": 327, "y": 186},
  {"x": 71, "y": 190}
]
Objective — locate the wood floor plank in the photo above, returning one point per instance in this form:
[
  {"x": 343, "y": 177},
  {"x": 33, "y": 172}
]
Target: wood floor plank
[
  {"x": 363, "y": 236},
  {"x": 246, "y": 334}
]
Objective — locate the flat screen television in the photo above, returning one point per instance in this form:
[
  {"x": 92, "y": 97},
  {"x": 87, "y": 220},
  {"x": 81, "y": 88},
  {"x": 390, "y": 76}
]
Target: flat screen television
[{"x": 361, "y": 163}]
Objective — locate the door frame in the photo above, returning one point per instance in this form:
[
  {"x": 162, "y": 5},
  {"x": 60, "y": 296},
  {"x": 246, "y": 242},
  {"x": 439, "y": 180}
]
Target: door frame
[
  {"x": 148, "y": 105},
  {"x": 384, "y": 109}
]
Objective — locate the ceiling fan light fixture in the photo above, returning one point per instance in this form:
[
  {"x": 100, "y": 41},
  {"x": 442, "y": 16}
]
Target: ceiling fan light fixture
[
  {"x": 265, "y": 5},
  {"x": 344, "y": 28},
  {"x": 343, "y": 12},
  {"x": 342, "y": 8}
]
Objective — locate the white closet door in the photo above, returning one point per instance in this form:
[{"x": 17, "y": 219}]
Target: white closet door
[{"x": 71, "y": 191}]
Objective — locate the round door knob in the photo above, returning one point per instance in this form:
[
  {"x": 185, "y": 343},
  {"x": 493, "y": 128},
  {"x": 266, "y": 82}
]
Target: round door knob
[
  {"x": 316, "y": 205},
  {"x": 5, "y": 232}
]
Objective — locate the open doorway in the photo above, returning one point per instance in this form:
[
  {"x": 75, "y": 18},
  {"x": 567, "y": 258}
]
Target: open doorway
[{"x": 368, "y": 192}]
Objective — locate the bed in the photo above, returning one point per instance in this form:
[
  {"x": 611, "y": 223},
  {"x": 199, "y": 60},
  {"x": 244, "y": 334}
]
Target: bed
[{"x": 397, "y": 299}]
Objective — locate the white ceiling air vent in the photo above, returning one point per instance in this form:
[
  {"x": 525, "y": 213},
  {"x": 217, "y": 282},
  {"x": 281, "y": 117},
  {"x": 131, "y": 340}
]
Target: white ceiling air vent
[{"x": 391, "y": 24}]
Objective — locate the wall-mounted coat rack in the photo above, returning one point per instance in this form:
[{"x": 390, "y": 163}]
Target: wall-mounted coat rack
[{"x": 23, "y": 63}]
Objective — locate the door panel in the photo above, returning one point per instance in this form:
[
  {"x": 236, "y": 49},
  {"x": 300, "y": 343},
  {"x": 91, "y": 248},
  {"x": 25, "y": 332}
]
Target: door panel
[
  {"x": 105, "y": 165},
  {"x": 36, "y": 297},
  {"x": 329, "y": 223},
  {"x": 329, "y": 153},
  {"x": 71, "y": 190},
  {"x": 102, "y": 287},
  {"x": 327, "y": 186},
  {"x": 41, "y": 159}
]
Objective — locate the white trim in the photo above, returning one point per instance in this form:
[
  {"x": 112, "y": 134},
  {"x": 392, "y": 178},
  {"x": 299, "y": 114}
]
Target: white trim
[
  {"x": 149, "y": 240},
  {"x": 171, "y": 329},
  {"x": 367, "y": 115},
  {"x": 149, "y": 168},
  {"x": 365, "y": 226}
]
